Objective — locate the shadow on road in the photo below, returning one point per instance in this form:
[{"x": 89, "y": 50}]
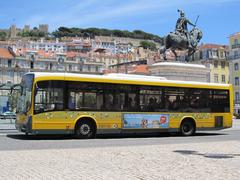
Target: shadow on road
[
  {"x": 39, "y": 137},
  {"x": 109, "y": 136},
  {"x": 207, "y": 155}
]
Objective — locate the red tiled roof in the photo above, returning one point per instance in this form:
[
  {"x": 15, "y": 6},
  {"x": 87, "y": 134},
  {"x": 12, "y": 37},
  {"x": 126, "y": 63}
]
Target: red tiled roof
[
  {"x": 20, "y": 52},
  {"x": 213, "y": 46},
  {"x": 44, "y": 54},
  {"x": 140, "y": 69},
  {"x": 71, "y": 54},
  {"x": 5, "y": 54}
]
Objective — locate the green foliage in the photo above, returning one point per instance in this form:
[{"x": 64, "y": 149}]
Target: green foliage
[
  {"x": 148, "y": 45},
  {"x": 33, "y": 33},
  {"x": 13, "y": 98},
  {"x": 3, "y": 36},
  {"x": 92, "y": 32}
]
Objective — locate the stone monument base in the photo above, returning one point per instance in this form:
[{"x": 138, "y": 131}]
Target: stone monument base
[{"x": 181, "y": 71}]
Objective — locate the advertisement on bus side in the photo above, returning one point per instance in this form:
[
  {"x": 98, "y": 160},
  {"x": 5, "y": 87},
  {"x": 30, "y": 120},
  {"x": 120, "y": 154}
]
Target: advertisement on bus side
[{"x": 146, "y": 120}]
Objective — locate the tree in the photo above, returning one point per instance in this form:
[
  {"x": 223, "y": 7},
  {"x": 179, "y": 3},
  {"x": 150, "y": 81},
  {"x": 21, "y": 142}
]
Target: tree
[
  {"x": 3, "y": 36},
  {"x": 148, "y": 45},
  {"x": 12, "y": 99},
  {"x": 34, "y": 33},
  {"x": 92, "y": 32}
]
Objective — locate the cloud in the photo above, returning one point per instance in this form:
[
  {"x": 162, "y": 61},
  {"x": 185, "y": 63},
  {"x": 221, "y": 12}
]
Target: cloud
[{"x": 90, "y": 12}]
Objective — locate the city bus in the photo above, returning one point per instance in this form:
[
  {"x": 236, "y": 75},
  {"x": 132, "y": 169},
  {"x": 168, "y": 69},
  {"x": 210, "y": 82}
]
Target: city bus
[{"x": 86, "y": 105}]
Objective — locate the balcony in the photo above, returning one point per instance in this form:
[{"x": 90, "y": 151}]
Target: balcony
[
  {"x": 235, "y": 46},
  {"x": 233, "y": 57},
  {"x": 237, "y": 101}
]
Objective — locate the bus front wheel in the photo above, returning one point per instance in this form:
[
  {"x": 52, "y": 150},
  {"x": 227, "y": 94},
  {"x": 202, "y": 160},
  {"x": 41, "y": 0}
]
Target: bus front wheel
[
  {"x": 85, "y": 129},
  {"x": 187, "y": 128}
]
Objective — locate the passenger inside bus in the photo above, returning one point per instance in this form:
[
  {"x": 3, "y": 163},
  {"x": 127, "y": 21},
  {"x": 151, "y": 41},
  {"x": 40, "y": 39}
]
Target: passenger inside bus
[
  {"x": 71, "y": 103},
  {"x": 167, "y": 102},
  {"x": 151, "y": 105},
  {"x": 177, "y": 103}
]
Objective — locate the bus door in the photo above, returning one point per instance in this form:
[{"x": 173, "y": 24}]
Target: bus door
[{"x": 49, "y": 111}]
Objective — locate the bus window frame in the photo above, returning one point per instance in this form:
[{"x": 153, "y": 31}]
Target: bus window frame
[{"x": 127, "y": 89}]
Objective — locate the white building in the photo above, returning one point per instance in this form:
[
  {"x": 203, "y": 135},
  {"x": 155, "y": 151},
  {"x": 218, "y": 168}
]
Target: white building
[{"x": 47, "y": 46}]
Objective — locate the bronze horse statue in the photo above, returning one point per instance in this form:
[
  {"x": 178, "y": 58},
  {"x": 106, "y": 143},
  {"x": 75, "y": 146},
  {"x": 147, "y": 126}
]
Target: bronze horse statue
[{"x": 178, "y": 41}]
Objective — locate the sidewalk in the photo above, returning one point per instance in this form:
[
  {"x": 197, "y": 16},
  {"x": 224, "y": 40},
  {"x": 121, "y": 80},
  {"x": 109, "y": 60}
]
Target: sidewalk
[
  {"x": 236, "y": 124},
  {"x": 7, "y": 126}
]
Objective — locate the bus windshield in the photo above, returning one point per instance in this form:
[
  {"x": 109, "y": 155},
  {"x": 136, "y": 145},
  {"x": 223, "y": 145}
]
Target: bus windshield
[{"x": 25, "y": 100}]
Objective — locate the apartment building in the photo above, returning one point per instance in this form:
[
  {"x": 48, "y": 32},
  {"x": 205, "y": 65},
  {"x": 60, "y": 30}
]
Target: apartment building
[
  {"x": 47, "y": 46},
  {"x": 234, "y": 60},
  {"x": 13, "y": 66},
  {"x": 79, "y": 45},
  {"x": 214, "y": 57}
]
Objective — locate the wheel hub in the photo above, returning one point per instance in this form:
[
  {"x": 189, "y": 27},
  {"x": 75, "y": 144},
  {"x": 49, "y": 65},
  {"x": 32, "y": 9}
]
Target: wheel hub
[
  {"x": 84, "y": 129},
  {"x": 186, "y": 128}
]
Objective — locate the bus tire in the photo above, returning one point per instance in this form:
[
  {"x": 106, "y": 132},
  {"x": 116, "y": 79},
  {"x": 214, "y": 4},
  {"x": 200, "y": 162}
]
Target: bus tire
[
  {"x": 85, "y": 129},
  {"x": 187, "y": 127}
]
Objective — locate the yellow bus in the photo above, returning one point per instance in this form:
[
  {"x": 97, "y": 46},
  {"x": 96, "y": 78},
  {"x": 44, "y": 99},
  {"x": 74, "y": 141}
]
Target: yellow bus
[{"x": 86, "y": 105}]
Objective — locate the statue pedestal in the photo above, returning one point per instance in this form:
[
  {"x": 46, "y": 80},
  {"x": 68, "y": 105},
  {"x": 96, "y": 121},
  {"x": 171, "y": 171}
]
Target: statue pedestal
[{"x": 181, "y": 71}]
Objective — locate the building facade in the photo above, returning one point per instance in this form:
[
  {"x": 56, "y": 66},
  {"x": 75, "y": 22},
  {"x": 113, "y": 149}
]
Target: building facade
[
  {"x": 214, "y": 57},
  {"x": 13, "y": 66},
  {"x": 234, "y": 60},
  {"x": 47, "y": 46}
]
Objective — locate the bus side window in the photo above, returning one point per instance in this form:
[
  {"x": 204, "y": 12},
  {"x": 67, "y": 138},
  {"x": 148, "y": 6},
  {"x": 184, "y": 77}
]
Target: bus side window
[
  {"x": 176, "y": 103},
  {"x": 133, "y": 102},
  {"x": 72, "y": 100},
  {"x": 118, "y": 101},
  {"x": 167, "y": 103},
  {"x": 108, "y": 101}
]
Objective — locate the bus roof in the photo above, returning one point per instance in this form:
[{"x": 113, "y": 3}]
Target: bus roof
[{"x": 126, "y": 79}]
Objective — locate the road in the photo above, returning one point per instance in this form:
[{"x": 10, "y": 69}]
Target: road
[{"x": 16, "y": 141}]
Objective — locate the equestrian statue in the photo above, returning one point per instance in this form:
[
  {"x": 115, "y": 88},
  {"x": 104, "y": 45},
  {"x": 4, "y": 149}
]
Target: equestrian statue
[{"x": 181, "y": 38}]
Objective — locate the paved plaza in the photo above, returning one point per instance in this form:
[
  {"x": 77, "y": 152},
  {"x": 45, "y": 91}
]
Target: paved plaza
[
  {"x": 197, "y": 160},
  {"x": 219, "y": 160}
]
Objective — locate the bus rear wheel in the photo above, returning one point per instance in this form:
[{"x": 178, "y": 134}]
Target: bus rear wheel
[
  {"x": 187, "y": 128},
  {"x": 85, "y": 130}
]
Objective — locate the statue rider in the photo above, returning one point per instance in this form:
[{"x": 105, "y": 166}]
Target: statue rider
[{"x": 181, "y": 26}]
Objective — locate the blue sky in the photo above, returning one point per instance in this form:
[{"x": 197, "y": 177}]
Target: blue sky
[{"x": 218, "y": 18}]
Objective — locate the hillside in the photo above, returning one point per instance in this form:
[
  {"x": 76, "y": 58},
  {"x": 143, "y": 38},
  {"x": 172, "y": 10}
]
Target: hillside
[{"x": 92, "y": 32}]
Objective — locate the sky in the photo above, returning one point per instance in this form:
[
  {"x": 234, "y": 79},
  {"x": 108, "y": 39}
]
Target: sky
[{"x": 217, "y": 18}]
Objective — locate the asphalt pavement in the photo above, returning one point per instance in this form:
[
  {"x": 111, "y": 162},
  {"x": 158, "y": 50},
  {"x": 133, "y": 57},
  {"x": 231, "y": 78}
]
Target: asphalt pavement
[{"x": 12, "y": 140}]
